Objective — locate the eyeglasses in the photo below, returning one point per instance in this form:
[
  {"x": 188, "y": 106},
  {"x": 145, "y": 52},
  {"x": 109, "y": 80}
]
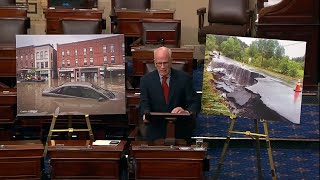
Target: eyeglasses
[{"x": 162, "y": 63}]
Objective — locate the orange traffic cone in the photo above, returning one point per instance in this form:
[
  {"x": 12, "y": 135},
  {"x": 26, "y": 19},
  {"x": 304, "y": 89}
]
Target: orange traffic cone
[{"x": 298, "y": 86}]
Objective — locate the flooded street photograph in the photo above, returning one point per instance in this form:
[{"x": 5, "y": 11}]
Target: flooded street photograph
[{"x": 75, "y": 74}]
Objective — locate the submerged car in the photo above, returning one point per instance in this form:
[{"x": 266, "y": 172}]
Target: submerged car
[{"x": 80, "y": 90}]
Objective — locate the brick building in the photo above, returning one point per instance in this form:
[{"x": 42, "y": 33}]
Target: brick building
[
  {"x": 36, "y": 60},
  {"x": 46, "y": 61},
  {"x": 25, "y": 60},
  {"x": 91, "y": 58}
]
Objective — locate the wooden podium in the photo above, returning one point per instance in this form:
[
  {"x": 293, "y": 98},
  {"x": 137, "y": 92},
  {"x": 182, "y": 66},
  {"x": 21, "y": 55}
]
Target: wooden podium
[
  {"x": 79, "y": 159},
  {"x": 20, "y": 159},
  {"x": 167, "y": 162}
]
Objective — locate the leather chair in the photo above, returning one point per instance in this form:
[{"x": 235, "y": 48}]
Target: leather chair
[
  {"x": 159, "y": 32},
  {"x": 10, "y": 27},
  {"x": 132, "y": 4},
  {"x": 81, "y": 26},
  {"x": 7, "y": 3},
  {"x": 181, "y": 66},
  {"x": 225, "y": 17},
  {"x": 78, "y": 4},
  {"x": 128, "y": 4}
]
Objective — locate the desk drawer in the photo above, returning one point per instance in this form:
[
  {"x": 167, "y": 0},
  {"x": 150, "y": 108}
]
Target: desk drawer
[{"x": 6, "y": 113}]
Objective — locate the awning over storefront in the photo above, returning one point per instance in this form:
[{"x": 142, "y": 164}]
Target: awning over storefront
[
  {"x": 44, "y": 72},
  {"x": 66, "y": 70},
  {"x": 85, "y": 70},
  {"x": 116, "y": 67}
]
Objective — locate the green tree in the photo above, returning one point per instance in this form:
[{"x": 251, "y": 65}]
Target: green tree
[
  {"x": 211, "y": 43},
  {"x": 253, "y": 49},
  {"x": 279, "y": 52},
  {"x": 232, "y": 48},
  {"x": 284, "y": 66}
]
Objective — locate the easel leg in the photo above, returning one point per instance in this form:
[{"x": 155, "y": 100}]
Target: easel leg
[
  {"x": 69, "y": 126},
  {"x": 89, "y": 127},
  {"x": 53, "y": 122},
  {"x": 224, "y": 150},
  {"x": 256, "y": 127},
  {"x": 272, "y": 168}
]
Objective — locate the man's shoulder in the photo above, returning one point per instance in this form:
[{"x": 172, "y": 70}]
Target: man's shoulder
[
  {"x": 149, "y": 75},
  {"x": 179, "y": 73}
]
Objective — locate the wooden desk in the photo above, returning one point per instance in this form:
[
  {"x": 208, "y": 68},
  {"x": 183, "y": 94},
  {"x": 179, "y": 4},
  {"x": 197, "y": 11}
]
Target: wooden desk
[
  {"x": 13, "y": 11},
  {"x": 54, "y": 17},
  {"x": 142, "y": 55},
  {"x": 8, "y": 51},
  {"x": 7, "y": 61},
  {"x": 164, "y": 162},
  {"x": 8, "y": 107},
  {"x": 133, "y": 101},
  {"x": 78, "y": 159},
  {"x": 20, "y": 159},
  {"x": 129, "y": 22},
  {"x": 8, "y": 101},
  {"x": 295, "y": 20}
]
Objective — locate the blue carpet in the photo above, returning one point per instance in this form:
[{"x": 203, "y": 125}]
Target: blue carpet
[
  {"x": 217, "y": 126},
  {"x": 241, "y": 163}
]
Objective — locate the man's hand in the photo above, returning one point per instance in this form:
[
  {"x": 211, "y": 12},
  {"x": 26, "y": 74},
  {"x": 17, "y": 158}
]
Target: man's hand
[{"x": 179, "y": 110}]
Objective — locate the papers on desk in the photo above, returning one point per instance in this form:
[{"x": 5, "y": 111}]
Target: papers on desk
[{"x": 106, "y": 142}]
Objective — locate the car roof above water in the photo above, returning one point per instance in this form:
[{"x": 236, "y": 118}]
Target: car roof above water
[{"x": 84, "y": 84}]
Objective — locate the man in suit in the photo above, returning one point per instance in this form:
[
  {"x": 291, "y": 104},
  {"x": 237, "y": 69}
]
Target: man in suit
[{"x": 167, "y": 90}]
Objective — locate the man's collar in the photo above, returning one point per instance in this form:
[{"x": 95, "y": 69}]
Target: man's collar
[{"x": 168, "y": 76}]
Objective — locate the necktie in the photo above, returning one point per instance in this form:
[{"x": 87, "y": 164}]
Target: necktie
[{"x": 165, "y": 88}]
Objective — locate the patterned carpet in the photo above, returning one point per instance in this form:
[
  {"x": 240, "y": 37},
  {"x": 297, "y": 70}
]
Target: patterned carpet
[
  {"x": 216, "y": 126},
  {"x": 290, "y": 163}
]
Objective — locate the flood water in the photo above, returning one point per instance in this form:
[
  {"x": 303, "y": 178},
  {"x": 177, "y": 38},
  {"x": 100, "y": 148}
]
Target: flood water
[{"x": 32, "y": 103}]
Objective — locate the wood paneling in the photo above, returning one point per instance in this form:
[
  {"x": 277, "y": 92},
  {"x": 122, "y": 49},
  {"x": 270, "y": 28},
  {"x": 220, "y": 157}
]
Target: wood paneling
[
  {"x": 20, "y": 159},
  {"x": 128, "y": 21},
  {"x": 79, "y": 159},
  {"x": 295, "y": 20},
  {"x": 54, "y": 17},
  {"x": 165, "y": 162}
]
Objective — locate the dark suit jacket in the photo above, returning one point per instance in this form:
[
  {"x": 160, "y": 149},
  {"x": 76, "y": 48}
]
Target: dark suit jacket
[{"x": 181, "y": 93}]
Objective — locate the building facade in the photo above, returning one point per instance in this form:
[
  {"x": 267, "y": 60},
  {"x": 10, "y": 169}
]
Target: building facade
[
  {"x": 25, "y": 61},
  {"x": 91, "y": 58},
  {"x": 45, "y": 61},
  {"x": 36, "y": 61}
]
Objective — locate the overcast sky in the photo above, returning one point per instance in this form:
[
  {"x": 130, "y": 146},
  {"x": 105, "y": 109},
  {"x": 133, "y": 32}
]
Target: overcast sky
[
  {"x": 36, "y": 40},
  {"x": 292, "y": 48}
]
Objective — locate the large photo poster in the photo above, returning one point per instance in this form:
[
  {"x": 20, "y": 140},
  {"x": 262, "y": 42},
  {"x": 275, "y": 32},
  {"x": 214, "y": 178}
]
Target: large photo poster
[
  {"x": 70, "y": 74},
  {"x": 253, "y": 77}
]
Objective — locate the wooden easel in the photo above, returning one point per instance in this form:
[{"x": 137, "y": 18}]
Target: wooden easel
[
  {"x": 255, "y": 135},
  {"x": 69, "y": 130}
]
